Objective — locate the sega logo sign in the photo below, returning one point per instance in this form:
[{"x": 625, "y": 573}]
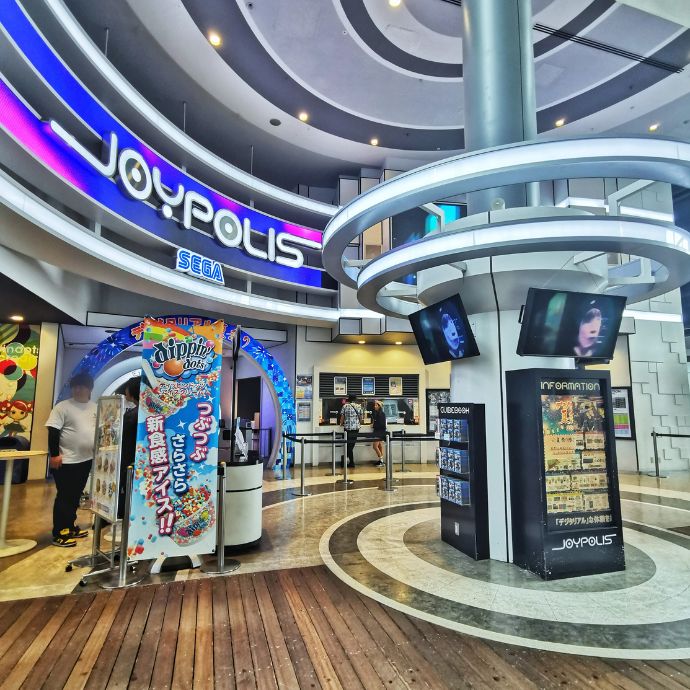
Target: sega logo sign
[{"x": 199, "y": 266}]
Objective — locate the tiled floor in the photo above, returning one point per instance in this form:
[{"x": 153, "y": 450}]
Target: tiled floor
[{"x": 386, "y": 546}]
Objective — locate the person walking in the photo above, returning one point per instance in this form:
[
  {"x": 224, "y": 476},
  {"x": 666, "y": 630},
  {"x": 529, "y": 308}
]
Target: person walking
[
  {"x": 71, "y": 431},
  {"x": 350, "y": 420},
  {"x": 379, "y": 427}
]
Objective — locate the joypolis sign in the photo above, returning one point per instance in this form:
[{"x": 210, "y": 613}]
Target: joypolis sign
[{"x": 142, "y": 182}]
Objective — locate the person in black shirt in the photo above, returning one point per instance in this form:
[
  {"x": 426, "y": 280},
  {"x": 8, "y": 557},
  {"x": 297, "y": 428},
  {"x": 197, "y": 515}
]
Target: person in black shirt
[
  {"x": 129, "y": 438},
  {"x": 379, "y": 423}
]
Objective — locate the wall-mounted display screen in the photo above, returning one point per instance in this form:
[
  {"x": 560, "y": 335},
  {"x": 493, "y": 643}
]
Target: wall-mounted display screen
[
  {"x": 443, "y": 332},
  {"x": 557, "y": 323}
]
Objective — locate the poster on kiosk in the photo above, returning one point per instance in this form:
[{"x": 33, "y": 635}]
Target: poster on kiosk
[{"x": 173, "y": 509}]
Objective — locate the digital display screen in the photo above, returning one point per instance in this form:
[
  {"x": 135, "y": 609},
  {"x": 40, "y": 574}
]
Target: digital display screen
[
  {"x": 443, "y": 332},
  {"x": 557, "y": 323}
]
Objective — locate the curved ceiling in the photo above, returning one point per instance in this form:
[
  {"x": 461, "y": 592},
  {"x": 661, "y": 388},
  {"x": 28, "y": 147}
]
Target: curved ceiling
[{"x": 362, "y": 69}]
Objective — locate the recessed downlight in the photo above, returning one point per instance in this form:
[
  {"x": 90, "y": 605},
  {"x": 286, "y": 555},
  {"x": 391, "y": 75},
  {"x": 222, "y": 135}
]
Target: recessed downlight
[
  {"x": 395, "y": 3},
  {"x": 398, "y": 342},
  {"x": 560, "y": 122},
  {"x": 654, "y": 126},
  {"x": 374, "y": 141},
  {"x": 361, "y": 342},
  {"x": 214, "y": 39},
  {"x": 303, "y": 116},
  {"x": 16, "y": 317}
]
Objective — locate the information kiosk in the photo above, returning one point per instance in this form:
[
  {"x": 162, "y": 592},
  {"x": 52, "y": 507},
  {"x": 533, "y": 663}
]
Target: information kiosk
[{"x": 565, "y": 505}]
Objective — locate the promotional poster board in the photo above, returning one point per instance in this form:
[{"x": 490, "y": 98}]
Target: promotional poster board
[
  {"x": 173, "y": 510},
  {"x": 340, "y": 385},
  {"x": 395, "y": 385},
  {"x": 304, "y": 410},
  {"x": 623, "y": 415},
  {"x": 105, "y": 472},
  {"x": 434, "y": 397},
  {"x": 304, "y": 388},
  {"x": 19, "y": 348},
  {"x": 565, "y": 503}
]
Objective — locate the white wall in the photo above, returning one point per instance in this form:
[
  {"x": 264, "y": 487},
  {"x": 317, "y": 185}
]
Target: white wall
[
  {"x": 619, "y": 367},
  {"x": 315, "y": 357},
  {"x": 658, "y": 363}
]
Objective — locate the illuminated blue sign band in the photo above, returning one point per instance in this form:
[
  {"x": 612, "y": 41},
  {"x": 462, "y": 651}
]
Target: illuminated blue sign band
[{"x": 282, "y": 240}]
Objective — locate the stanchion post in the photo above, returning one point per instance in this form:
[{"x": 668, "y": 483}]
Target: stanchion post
[
  {"x": 388, "y": 483},
  {"x": 345, "y": 480},
  {"x": 402, "y": 451},
  {"x": 285, "y": 457},
  {"x": 333, "y": 453},
  {"x": 124, "y": 537},
  {"x": 220, "y": 566},
  {"x": 119, "y": 579},
  {"x": 656, "y": 472},
  {"x": 302, "y": 489}
]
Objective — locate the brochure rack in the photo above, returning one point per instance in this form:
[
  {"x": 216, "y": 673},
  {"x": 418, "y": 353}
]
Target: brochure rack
[
  {"x": 565, "y": 505},
  {"x": 461, "y": 459}
]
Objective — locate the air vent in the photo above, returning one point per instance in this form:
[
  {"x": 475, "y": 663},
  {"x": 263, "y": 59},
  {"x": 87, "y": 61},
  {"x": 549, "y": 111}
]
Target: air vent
[{"x": 604, "y": 47}]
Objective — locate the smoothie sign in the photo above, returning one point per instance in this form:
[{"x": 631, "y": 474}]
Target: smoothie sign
[{"x": 173, "y": 510}]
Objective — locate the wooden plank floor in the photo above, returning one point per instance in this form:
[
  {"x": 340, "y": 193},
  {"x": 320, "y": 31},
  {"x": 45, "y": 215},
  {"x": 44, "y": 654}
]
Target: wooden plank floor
[{"x": 299, "y": 628}]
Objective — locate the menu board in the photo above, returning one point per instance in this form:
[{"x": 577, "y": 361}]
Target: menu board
[
  {"x": 105, "y": 475},
  {"x": 575, "y": 459}
]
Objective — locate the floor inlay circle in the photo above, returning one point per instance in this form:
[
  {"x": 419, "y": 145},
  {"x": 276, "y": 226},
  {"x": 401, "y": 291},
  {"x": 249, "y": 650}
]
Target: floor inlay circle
[{"x": 643, "y": 612}]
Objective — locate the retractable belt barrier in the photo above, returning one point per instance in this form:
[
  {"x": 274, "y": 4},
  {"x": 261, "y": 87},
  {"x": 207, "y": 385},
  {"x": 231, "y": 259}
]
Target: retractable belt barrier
[
  {"x": 319, "y": 439},
  {"x": 655, "y": 435}
]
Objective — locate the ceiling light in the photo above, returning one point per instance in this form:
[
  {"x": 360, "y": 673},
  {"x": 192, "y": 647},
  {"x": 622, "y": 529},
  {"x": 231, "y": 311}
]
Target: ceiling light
[
  {"x": 16, "y": 317},
  {"x": 560, "y": 122},
  {"x": 362, "y": 342},
  {"x": 303, "y": 116},
  {"x": 654, "y": 127},
  {"x": 398, "y": 342},
  {"x": 395, "y": 3},
  {"x": 374, "y": 142},
  {"x": 214, "y": 39}
]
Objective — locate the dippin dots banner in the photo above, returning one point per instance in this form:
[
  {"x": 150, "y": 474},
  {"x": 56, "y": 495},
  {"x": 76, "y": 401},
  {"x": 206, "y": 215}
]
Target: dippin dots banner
[{"x": 173, "y": 510}]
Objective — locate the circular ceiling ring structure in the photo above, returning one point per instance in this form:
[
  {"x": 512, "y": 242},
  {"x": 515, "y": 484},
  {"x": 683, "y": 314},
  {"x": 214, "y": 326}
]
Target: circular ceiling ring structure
[
  {"x": 661, "y": 242},
  {"x": 646, "y": 158}
]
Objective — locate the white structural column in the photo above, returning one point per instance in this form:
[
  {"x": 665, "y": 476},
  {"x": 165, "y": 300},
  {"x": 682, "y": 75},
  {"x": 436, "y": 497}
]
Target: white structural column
[{"x": 500, "y": 109}]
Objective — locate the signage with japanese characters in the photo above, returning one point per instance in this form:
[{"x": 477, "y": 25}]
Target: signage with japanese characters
[{"x": 173, "y": 511}]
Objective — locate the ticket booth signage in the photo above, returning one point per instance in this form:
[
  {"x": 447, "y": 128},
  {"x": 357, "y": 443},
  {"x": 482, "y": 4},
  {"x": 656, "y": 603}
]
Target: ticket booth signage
[{"x": 173, "y": 509}]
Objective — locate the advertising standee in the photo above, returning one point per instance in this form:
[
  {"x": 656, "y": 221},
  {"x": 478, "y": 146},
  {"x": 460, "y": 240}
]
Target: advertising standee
[
  {"x": 105, "y": 474},
  {"x": 173, "y": 509}
]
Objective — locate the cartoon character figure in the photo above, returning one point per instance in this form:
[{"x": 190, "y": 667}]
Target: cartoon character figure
[{"x": 20, "y": 416}]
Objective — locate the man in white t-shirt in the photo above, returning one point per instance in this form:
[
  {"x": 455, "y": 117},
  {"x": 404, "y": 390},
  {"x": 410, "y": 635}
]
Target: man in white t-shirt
[{"x": 71, "y": 431}]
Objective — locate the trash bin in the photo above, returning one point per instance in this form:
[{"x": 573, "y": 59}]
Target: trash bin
[
  {"x": 20, "y": 471},
  {"x": 243, "y": 502}
]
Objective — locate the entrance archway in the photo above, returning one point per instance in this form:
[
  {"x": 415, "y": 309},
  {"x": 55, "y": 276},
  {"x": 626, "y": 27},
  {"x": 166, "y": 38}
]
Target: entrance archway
[{"x": 278, "y": 385}]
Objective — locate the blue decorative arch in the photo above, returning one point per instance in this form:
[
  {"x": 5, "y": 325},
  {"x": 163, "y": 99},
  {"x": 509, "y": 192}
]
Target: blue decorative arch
[{"x": 97, "y": 358}]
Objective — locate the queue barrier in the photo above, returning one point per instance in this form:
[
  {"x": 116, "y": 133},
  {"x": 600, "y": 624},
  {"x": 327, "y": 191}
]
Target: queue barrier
[
  {"x": 318, "y": 438},
  {"x": 655, "y": 435}
]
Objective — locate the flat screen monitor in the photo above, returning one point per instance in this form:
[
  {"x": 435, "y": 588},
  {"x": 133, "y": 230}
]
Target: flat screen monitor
[
  {"x": 443, "y": 332},
  {"x": 557, "y": 323}
]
